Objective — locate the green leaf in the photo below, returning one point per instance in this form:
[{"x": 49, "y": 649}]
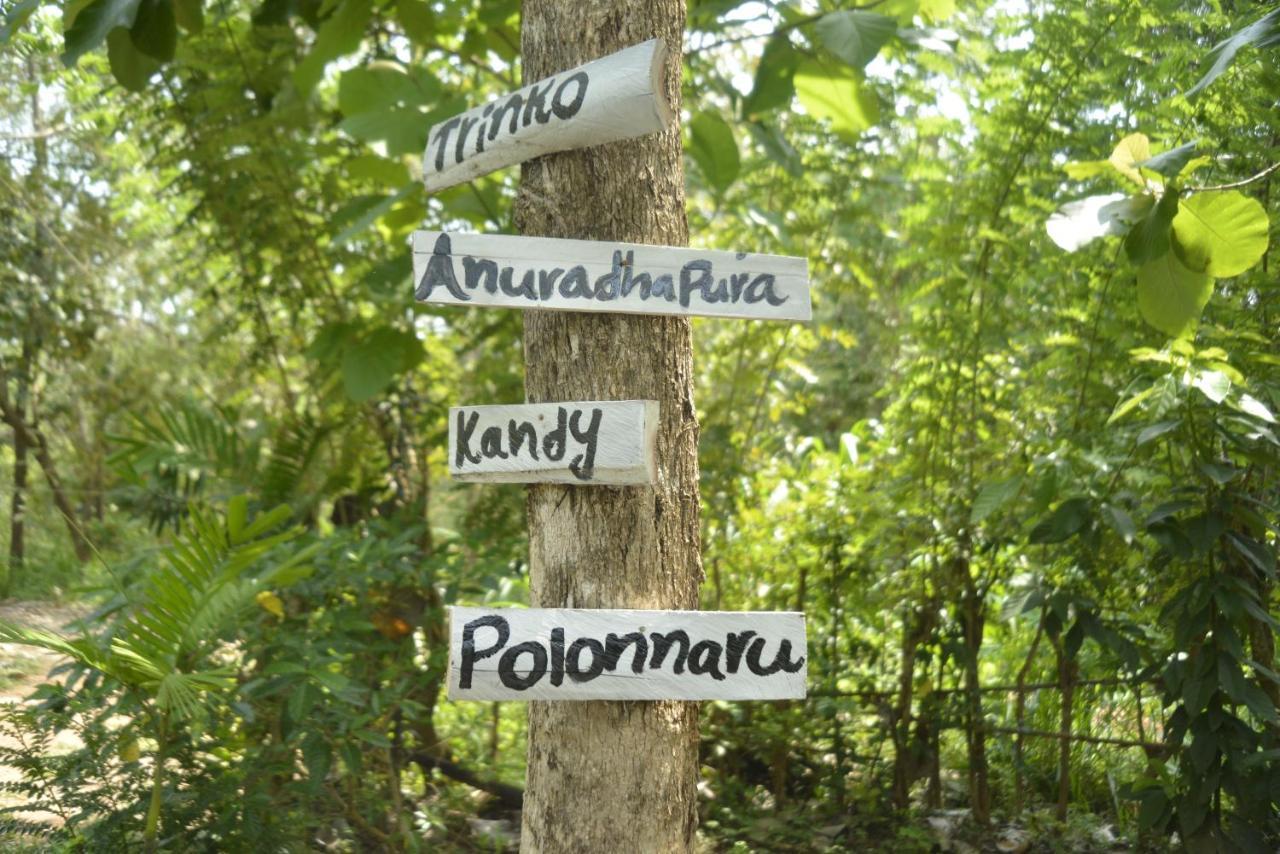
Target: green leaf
[
  {"x": 1131, "y": 151},
  {"x": 1265, "y": 30},
  {"x": 92, "y": 25},
  {"x": 1079, "y": 223},
  {"x": 1251, "y": 406},
  {"x": 1171, "y": 163},
  {"x": 382, "y": 85},
  {"x": 1120, "y": 521},
  {"x": 837, "y": 95},
  {"x": 855, "y": 36},
  {"x": 775, "y": 145},
  {"x": 1171, "y": 297},
  {"x": 189, "y": 15},
  {"x": 1149, "y": 239},
  {"x": 15, "y": 17},
  {"x": 1215, "y": 385},
  {"x": 403, "y": 129},
  {"x": 366, "y": 214},
  {"x": 714, "y": 149},
  {"x": 416, "y": 19},
  {"x": 129, "y": 66},
  {"x": 339, "y": 35},
  {"x": 1222, "y": 234},
  {"x": 1063, "y": 523},
  {"x": 370, "y": 364},
  {"x": 154, "y": 31},
  {"x": 992, "y": 496},
  {"x": 774, "y": 86}
]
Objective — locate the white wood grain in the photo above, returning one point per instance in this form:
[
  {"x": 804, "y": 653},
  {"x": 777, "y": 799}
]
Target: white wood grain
[
  {"x": 504, "y": 271},
  {"x": 593, "y": 442},
  {"x": 563, "y": 654},
  {"x": 613, "y": 98}
]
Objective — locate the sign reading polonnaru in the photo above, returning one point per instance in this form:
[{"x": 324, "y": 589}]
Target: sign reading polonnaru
[
  {"x": 613, "y": 98},
  {"x": 572, "y": 654},
  {"x": 586, "y": 275},
  {"x": 604, "y": 442}
]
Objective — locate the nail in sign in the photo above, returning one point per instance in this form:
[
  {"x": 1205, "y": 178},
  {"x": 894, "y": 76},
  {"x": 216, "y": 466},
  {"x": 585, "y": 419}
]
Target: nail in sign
[
  {"x": 613, "y": 98},
  {"x": 572, "y": 654},
  {"x": 503, "y": 271},
  {"x": 604, "y": 442}
]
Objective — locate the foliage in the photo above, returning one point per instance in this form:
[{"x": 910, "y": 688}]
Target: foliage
[{"x": 1023, "y": 489}]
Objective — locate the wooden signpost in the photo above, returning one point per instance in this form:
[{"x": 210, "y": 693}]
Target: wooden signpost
[
  {"x": 609, "y": 548},
  {"x": 571, "y": 654},
  {"x": 613, "y": 98},
  {"x": 607, "y": 442},
  {"x": 627, "y": 278}
]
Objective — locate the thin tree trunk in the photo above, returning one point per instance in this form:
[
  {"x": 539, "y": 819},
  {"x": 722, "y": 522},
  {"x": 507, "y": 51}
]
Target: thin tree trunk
[
  {"x": 611, "y": 776},
  {"x": 17, "y": 520},
  {"x": 1066, "y": 684},
  {"x": 35, "y": 440},
  {"x": 973, "y": 620},
  {"x": 1019, "y": 798}
]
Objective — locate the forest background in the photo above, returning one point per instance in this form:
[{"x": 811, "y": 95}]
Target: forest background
[{"x": 1020, "y": 472}]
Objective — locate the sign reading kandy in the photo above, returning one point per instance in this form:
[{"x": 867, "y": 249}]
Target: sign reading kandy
[
  {"x": 606, "y": 442},
  {"x": 614, "y": 98},
  {"x": 571, "y": 654},
  {"x": 584, "y": 275}
]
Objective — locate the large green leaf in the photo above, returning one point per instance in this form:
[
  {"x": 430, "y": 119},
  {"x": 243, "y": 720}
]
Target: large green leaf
[
  {"x": 1149, "y": 239},
  {"x": 1129, "y": 152},
  {"x": 189, "y": 15},
  {"x": 714, "y": 149},
  {"x": 381, "y": 85},
  {"x": 1170, "y": 163},
  {"x": 339, "y": 35},
  {"x": 1222, "y": 234},
  {"x": 1264, "y": 32},
  {"x": 15, "y": 17},
  {"x": 1066, "y": 520},
  {"x": 131, "y": 67},
  {"x": 855, "y": 36},
  {"x": 838, "y": 95},
  {"x": 91, "y": 26},
  {"x": 371, "y": 363},
  {"x": 774, "y": 85},
  {"x": 1171, "y": 297},
  {"x": 993, "y": 495},
  {"x": 155, "y": 30}
]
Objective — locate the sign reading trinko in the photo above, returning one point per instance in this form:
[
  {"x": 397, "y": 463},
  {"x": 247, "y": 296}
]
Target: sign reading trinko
[
  {"x": 584, "y": 275},
  {"x": 571, "y": 654},
  {"x": 613, "y": 98},
  {"x": 605, "y": 442}
]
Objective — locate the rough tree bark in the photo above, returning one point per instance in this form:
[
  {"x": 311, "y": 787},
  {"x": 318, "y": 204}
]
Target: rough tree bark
[{"x": 611, "y": 776}]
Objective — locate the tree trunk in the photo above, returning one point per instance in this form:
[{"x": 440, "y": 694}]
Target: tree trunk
[
  {"x": 17, "y": 520},
  {"x": 34, "y": 439},
  {"x": 611, "y": 776}
]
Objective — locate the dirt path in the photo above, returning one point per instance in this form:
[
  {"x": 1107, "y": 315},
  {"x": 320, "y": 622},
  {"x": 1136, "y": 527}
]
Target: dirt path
[{"x": 24, "y": 668}]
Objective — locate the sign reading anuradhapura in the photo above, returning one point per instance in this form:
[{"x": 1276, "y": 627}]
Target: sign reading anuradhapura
[
  {"x": 578, "y": 654},
  {"x": 503, "y": 271},
  {"x": 613, "y": 98}
]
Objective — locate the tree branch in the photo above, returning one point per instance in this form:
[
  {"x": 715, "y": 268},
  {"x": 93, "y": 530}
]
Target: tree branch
[{"x": 1246, "y": 182}]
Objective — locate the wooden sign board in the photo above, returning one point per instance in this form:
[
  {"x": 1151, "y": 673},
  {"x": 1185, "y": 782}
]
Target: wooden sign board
[
  {"x": 613, "y": 98},
  {"x": 571, "y": 654},
  {"x": 502, "y": 271},
  {"x": 605, "y": 442}
]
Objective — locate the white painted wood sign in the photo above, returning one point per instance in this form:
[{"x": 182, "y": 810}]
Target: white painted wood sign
[
  {"x": 572, "y": 654},
  {"x": 504, "y": 271},
  {"x": 605, "y": 442},
  {"x": 613, "y": 98}
]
